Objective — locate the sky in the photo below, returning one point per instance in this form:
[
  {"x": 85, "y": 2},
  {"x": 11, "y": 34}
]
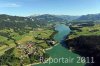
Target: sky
[{"x": 56, "y": 7}]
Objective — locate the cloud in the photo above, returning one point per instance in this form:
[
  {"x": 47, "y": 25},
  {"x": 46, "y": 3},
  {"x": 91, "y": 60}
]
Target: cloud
[{"x": 9, "y": 5}]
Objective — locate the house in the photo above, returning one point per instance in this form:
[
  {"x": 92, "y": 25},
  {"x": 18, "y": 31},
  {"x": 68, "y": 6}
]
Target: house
[{"x": 50, "y": 42}]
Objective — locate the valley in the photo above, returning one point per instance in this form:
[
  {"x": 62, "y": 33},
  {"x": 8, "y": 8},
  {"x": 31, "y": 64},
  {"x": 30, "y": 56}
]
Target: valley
[{"x": 25, "y": 40}]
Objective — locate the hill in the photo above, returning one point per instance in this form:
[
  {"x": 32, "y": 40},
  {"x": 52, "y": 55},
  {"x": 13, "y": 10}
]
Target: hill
[
  {"x": 89, "y": 17},
  {"x": 19, "y": 24},
  {"x": 48, "y": 18},
  {"x": 85, "y": 42},
  {"x": 68, "y": 17}
]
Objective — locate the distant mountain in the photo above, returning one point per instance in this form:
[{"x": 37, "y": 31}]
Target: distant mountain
[
  {"x": 89, "y": 17},
  {"x": 55, "y": 18},
  {"x": 67, "y": 17},
  {"x": 48, "y": 18}
]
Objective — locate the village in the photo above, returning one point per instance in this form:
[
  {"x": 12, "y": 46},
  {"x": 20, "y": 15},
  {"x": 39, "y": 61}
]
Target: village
[{"x": 31, "y": 46}]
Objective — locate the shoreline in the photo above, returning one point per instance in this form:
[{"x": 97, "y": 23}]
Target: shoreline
[{"x": 45, "y": 60}]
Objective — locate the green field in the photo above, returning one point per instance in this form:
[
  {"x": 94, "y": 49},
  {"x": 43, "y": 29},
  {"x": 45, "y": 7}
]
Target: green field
[
  {"x": 19, "y": 44},
  {"x": 85, "y": 31}
]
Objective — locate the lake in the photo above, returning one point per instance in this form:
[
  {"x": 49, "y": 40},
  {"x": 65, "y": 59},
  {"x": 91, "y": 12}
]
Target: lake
[{"x": 59, "y": 51}]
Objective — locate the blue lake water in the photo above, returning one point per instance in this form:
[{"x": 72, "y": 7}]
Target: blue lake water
[{"x": 59, "y": 51}]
